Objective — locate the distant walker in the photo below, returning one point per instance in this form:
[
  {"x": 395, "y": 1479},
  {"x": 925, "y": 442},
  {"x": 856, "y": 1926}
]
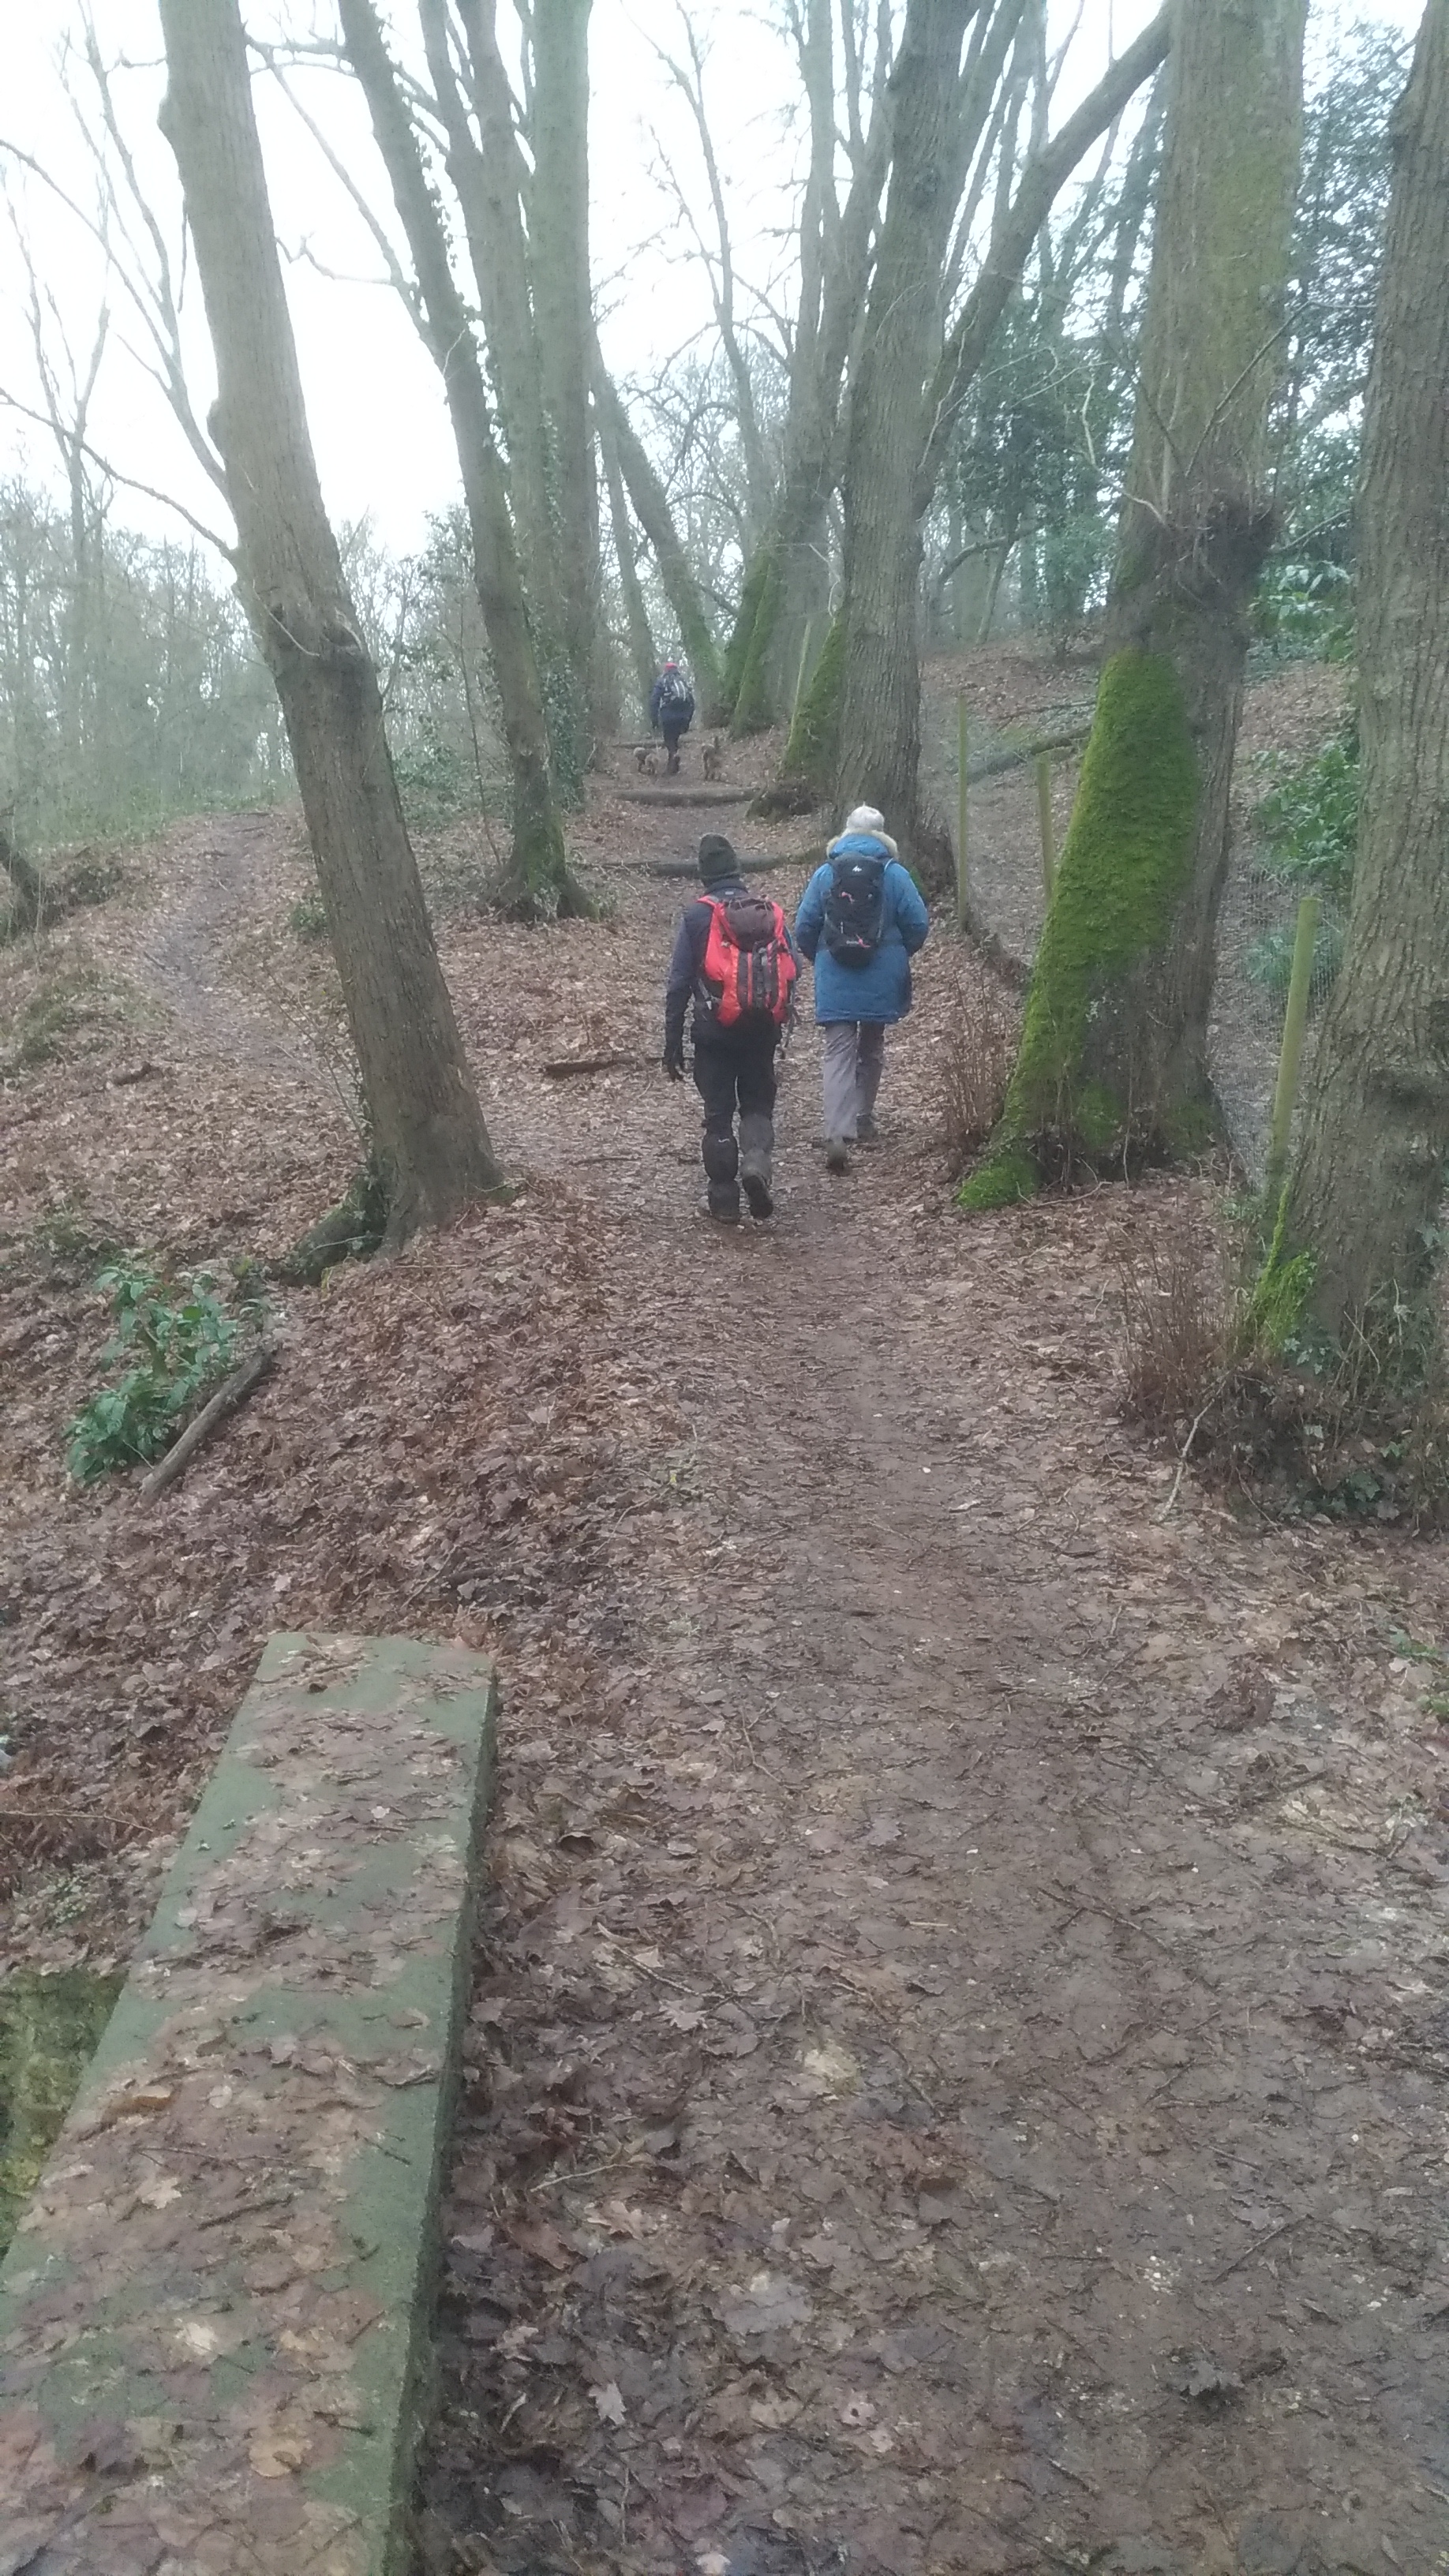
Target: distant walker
[{"x": 671, "y": 712}]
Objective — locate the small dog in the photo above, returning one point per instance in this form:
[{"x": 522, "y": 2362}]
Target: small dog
[
  {"x": 645, "y": 762},
  {"x": 713, "y": 757}
]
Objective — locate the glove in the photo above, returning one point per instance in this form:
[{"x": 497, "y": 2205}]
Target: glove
[{"x": 674, "y": 1063}]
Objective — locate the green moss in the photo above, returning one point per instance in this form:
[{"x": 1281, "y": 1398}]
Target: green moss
[
  {"x": 810, "y": 753},
  {"x": 1277, "y": 1301},
  {"x": 1005, "y": 1179},
  {"x": 1190, "y": 1128},
  {"x": 49, "y": 2027},
  {"x": 351, "y": 1231},
  {"x": 1127, "y": 858},
  {"x": 753, "y": 711},
  {"x": 738, "y": 650}
]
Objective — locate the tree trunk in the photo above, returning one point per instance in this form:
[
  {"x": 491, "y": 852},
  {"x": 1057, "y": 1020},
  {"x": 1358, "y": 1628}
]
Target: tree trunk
[
  {"x": 1113, "y": 1059},
  {"x": 879, "y": 732},
  {"x": 563, "y": 321},
  {"x": 1367, "y": 1191},
  {"x": 428, "y": 1134},
  {"x": 788, "y": 579},
  {"x": 651, "y": 509},
  {"x": 636, "y": 615},
  {"x": 489, "y": 179},
  {"x": 538, "y": 885}
]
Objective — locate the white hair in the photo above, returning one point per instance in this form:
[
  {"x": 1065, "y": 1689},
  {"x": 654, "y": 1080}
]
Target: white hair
[{"x": 865, "y": 818}]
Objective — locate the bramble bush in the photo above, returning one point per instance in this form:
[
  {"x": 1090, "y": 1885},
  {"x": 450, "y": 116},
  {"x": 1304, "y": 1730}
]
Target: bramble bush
[{"x": 181, "y": 1338}]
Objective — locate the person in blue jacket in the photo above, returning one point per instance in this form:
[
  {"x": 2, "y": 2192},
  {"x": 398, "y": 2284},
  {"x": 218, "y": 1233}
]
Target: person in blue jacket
[{"x": 860, "y": 923}]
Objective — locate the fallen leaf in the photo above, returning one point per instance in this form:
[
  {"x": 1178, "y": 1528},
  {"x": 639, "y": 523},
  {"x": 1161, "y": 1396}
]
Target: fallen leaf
[
  {"x": 609, "y": 2402},
  {"x": 160, "y": 2193},
  {"x": 829, "y": 2069},
  {"x": 539, "y": 2238},
  {"x": 278, "y": 2455},
  {"x": 681, "y": 2016}
]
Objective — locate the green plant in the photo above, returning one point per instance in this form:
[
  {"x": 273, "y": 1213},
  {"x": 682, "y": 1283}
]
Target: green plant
[
  {"x": 309, "y": 917},
  {"x": 1308, "y": 822},
  {"x": 180, "y": 1339},
  {"x": 62, "y": 1003},
  {"x": 1306, "y": 609},
  {"x": 1269, "y": 959}
]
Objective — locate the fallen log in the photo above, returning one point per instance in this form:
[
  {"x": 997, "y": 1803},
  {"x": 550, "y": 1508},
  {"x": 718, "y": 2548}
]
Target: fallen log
[
  {"x": 748, "y": 867},
  {"x": 684, "y": 795},
  {"x": 565, "y": 1064},
  {"x": 232, "y": 1392},
  {"x": 1016, "y": 755}
]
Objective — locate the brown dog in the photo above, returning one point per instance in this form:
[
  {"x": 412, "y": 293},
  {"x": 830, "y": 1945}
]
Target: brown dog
[{"x": 713, "y": 757}]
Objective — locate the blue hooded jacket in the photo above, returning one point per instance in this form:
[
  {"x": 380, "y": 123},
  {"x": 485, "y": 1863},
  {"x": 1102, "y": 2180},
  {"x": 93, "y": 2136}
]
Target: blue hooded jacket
[{"x": 881, "y": 989}]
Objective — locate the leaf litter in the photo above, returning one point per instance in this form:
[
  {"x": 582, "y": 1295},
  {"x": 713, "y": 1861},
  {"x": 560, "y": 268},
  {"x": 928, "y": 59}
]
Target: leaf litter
[{"x": 903, "y": 1987}]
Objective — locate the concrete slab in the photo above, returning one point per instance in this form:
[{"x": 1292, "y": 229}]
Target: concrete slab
[{"x": 214, "y": 2319}]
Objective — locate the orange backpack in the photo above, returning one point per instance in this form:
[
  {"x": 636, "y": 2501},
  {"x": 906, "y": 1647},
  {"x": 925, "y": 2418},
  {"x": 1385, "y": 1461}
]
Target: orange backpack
[{"x": 749, "y": 965}]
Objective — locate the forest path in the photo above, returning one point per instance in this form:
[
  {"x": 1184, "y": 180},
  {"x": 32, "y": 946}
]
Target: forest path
[
  {"x": 959, "y": 2068},
  {"x": 220, "y": 873},
  {"x": 929, "y": 2112}
]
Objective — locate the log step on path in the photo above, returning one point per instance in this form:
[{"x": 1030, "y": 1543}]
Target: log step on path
[
  {"x": 684, "y": 795},
  {"x": 215, "y": 2315}
]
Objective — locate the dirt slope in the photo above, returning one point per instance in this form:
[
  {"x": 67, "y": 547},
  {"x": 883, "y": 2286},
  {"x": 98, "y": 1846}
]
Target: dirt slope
[{"x": 961, "y": 2052}]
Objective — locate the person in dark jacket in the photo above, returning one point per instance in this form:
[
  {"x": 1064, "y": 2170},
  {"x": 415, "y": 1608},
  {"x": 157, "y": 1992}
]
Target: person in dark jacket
[
  {"x": 671, "y": 711},
  {"x": 734, "y": 1068}
]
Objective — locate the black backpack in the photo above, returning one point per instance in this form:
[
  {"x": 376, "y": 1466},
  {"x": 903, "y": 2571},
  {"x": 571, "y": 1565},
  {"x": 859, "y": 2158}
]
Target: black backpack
[
  {"x": 855, "y": 907},
  {"x": 673, "y": 690}
]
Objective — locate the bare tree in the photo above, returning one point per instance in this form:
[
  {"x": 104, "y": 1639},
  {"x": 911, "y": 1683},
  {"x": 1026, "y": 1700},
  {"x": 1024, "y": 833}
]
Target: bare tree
[
  {"x": 1365, "y": 1201},
  {"x": 428, "y": 1134},
  {"x": 538, "y": 883}
]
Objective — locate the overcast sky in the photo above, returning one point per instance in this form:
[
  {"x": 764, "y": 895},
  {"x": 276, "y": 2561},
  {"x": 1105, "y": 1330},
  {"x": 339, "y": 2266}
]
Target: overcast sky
[{"x": 376, "y": 416}]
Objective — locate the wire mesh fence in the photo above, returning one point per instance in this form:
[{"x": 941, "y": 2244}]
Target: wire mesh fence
[{"x": 1006, "y": 898}]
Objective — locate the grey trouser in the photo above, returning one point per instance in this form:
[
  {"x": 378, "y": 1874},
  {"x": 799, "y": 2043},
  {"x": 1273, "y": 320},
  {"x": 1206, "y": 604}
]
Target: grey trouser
[{"x": 854, "y": 1063}]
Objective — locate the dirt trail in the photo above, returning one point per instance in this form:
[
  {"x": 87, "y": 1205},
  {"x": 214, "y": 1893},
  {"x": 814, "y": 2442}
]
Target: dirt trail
[
  {"x": 934, "y": 2110},
  {"x": 959, "y": 2069},
  {"x": 219, "y": 874}
]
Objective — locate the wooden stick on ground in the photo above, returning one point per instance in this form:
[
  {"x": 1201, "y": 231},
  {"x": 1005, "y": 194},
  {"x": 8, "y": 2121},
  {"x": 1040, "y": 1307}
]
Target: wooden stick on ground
[
  {"x": 595, "y": 1064},
  {"x": 232, "y": 1392}
]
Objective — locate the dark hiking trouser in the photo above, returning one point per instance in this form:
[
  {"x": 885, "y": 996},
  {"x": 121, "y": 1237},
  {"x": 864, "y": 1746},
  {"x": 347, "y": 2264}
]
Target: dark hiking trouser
[
  {"x": 673, "y": 729},
  {"x": 734, "y": 1071}
]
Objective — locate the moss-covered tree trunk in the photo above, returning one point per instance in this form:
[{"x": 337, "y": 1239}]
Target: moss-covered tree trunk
[
  {"x": 1366, "y": 1195},
  {"x": 1113, "y": 1059},
  {"x": 429, "y": 1138},
  {"x": 636, "y": 615},
  {"x": 537, "y": 883}
]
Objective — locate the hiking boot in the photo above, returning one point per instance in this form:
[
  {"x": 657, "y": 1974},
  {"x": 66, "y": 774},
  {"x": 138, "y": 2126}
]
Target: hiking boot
[
  {"x": 671, "y": 766},
  {"x": 724, "y": 1202},
  {"x": 757, "y": 1141},
  {"x": 866, "y": 1130},
  {"x": 836, "y": 1157}
]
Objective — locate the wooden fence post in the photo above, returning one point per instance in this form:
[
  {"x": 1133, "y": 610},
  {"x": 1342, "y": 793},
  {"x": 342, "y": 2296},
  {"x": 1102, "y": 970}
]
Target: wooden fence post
[
  {"x": 963, "y": 883},
  {"x": 800, "y": 674},
  {"x": 1044, "y": 817},
  {"x": 1295, "y": 1020}
]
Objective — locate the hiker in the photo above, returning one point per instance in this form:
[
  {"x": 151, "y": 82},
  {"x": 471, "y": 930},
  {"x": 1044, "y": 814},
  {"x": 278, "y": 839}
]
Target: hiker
[
  {"x": 671, "y": 711},
  {"x": 860, "y": 923},
  {"x": 734, "y": 958}
]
